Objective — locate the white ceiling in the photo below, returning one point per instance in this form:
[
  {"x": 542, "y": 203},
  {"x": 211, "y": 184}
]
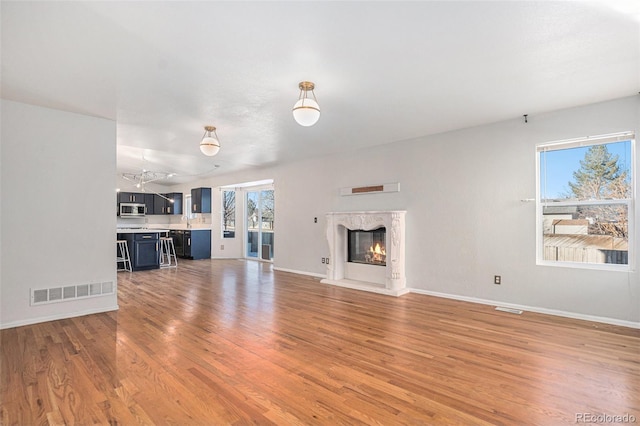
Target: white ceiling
[{"x": 384, "y": 71}]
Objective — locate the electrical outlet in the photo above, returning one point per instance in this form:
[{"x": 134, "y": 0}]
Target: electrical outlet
[
  {"x": 323, "y": 260},
  {"x": 315, "y": 220},
  {"x": 497, "y": 279},
  {"x": 327, "y": 260},
  {"x": 221, "y": 246}
]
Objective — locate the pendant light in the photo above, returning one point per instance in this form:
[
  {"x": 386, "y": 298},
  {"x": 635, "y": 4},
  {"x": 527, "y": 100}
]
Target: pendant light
[
  {"x": 210, "y": 145},
  {"x": 306, "y": 111}
]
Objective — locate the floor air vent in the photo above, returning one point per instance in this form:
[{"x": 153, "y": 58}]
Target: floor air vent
[{"x": 72, "y": 292}]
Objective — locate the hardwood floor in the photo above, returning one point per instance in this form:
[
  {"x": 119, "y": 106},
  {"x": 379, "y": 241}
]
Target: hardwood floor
[{"x": 232, "y": 342}]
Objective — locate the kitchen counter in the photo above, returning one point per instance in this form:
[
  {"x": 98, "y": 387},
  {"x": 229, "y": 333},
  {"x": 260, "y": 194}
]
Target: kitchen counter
[
  {"x": 140, "y": 230},
  {"x": 183, "y": 227}
]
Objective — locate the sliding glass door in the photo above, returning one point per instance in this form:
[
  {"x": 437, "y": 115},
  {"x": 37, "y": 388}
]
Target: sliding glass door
[{"x": 260, "y": 215}]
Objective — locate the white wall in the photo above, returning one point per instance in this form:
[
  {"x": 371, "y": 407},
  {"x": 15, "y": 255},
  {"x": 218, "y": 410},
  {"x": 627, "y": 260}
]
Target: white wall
[
  {"x": 465, "y": 220},
  {"x": 58, "y": 210}
]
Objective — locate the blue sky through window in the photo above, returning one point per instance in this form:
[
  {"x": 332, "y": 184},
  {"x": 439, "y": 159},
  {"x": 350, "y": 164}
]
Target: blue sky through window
[{"x": 557, "y": 167}]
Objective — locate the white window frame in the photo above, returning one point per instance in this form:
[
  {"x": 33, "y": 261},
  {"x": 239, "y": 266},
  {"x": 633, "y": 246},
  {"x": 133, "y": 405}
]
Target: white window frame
[
  {"x": 629, "y": 202},
  {"x": 187, "y": 208},
  {"x": 245, "y": 191},
  {"x": 222, "y": 212}
]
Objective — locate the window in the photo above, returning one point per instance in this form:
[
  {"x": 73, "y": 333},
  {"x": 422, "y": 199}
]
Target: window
[
  {"x": 228, "y": 213},
  {"x": 188, "y": 214},
  {"x": 260, "y": 211},
  {"x": 585, "y": 202}
]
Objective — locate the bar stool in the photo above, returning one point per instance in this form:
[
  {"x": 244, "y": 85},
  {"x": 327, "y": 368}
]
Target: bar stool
[
  {"x": 168, "y": 258},
  {"x": 122, "y": 256}
]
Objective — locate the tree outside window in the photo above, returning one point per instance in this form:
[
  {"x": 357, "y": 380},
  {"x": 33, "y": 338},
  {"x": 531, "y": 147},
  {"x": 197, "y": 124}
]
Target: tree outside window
[
  {"x": 600, "y": 177},
  {"x": 228, "y": 213}
]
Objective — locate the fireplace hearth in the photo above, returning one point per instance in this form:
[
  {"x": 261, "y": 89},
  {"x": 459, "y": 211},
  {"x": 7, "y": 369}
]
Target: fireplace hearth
[{"x": 367, "y": 251}]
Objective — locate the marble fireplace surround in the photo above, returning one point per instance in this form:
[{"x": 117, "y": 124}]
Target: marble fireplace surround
[{"x": 391, "y": 278}]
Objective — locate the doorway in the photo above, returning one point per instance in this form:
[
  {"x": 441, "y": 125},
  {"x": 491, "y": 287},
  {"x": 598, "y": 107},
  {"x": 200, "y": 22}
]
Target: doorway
[{"x": 260, "y": 214}]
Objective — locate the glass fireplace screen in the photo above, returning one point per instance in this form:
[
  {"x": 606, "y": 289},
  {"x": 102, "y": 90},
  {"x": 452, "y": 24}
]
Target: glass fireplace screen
[{"x": 367, "y": 247}]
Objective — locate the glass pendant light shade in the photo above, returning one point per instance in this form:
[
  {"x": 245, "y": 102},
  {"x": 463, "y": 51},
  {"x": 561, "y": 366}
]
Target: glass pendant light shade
[
  {"x": 306, "y": 111},
  {"x": 210, "y": 145}
]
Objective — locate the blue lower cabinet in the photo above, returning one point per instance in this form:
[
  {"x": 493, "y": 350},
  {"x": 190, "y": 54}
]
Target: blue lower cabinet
[
  {"x": 144, "y": 249},
  {"x": 197, "y": 244}
]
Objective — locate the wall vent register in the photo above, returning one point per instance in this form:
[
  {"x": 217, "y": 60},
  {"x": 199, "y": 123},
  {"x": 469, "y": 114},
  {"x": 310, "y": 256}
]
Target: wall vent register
[{"x": 61, "y": 294}]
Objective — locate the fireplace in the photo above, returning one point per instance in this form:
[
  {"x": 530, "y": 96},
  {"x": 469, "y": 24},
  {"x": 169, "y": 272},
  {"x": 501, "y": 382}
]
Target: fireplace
[
  {"x": 367, "y": 251},
  {"x": 367, "y": 247}
]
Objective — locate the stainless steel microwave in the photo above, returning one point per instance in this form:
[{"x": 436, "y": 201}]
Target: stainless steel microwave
[{"x": 132, "y": 210}]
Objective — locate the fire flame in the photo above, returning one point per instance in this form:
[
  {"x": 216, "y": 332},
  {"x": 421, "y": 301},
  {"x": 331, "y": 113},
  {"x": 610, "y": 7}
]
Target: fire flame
[{"x": 378, "y": 253}]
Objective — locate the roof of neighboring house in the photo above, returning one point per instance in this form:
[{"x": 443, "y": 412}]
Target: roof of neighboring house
[
  {"x": 603, "y": 242},
  {"x": 571, "y": 222},
  {"x": 560, "y": 209}
]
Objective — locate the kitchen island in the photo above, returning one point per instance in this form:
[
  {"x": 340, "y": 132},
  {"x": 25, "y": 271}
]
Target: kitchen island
[{"x": 144, "y": 246}]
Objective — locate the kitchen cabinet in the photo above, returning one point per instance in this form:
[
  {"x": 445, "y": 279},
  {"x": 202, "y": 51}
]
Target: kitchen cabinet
[
  {"x": 176, "y": 206},
  {"x": 154, "y": 203},
  {"x": 144, "y": 249},
  {"x": 149, "y": 203},
  {"x": 163, "y": 206},
  {"x": 146, "y": 253},
  {"x": 197, "y": 244},
  {"x": 131, "y": 197},
  {"x": 159, "y": 205},
  {"x": 201, "y": 200}
]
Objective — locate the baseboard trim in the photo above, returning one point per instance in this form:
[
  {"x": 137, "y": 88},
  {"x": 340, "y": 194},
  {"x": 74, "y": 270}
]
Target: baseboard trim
[
  {"x": 356, "y": 285},
  {"x": 573, "y": 315},
  {"x": 66, "y": 315},
  {"x": 294, "y": 271}
]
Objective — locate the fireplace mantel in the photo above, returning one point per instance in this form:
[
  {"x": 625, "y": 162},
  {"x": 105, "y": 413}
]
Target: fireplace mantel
[{"x": 393, "y": 280}]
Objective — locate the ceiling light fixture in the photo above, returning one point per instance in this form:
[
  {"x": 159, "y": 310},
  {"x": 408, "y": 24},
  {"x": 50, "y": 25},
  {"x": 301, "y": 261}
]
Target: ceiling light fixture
[
  {"x": 306, "y": 111},
  {"x": 210, "y": 145},
  {"x": 145, "y": 177}
]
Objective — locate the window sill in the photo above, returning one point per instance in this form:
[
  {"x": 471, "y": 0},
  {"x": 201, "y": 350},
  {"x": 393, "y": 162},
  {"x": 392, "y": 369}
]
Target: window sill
[{"x": 590, "y": 266}]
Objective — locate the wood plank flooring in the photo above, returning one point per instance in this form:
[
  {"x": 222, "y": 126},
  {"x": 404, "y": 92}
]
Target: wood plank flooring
[{"x": 233, "y": 342}]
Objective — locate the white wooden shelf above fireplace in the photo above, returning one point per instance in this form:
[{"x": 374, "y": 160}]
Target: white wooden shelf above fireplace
[{"x": 389, "y": 279}]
